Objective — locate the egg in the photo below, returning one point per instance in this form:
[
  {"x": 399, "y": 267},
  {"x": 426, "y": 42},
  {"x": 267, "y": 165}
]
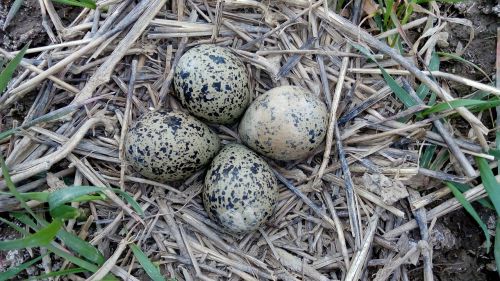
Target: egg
[
  {"x": 285, "y": 123},
  {"x": 169, "y": 145},
  {"x": 240, "y": 189},
  {"x": 212, "y": 84}
]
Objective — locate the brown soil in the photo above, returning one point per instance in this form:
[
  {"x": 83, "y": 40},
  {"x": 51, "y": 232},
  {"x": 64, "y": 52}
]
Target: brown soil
[
  {"x": 482, "y": 49},
  {"x": 26, "y": 26}
]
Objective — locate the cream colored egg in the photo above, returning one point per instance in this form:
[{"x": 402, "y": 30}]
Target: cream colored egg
[{"x": 285, "y": 123}]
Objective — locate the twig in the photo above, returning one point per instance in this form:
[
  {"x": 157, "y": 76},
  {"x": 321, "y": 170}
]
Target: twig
[
  {"x": 455, "y": 150},
  {"x": 359, "y": 260}
]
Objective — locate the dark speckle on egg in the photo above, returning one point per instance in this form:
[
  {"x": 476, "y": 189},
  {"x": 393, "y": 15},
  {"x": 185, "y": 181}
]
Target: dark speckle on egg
[
  {"x": 285, "y": 123},
  {"x": 205, "y": 83},
  {"x": 240, "y": 189},
  {"x": 168, "y": 146}
]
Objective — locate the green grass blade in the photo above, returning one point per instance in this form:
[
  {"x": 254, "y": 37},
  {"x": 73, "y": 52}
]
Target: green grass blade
[
  {"x": 482, "y": 107},
  {"x": 495, "y": 152},
  {"x": 12, "y": 187},
  {"x": 130, "y": 200},
  {"x": 14, "y": 226},
  {"x": 485, "y": 202},
  {"x": 77, "y": 193},
  {"x": 425, "y": 160},
  {"x": 75, "y": 243},
  {"x": 13, "y": 272},
  {"x": 489, "y": 182},
  {"x": 58, "y": 273},
  {"x": 151, "y": 269},
  {"x": 61, "y": 253},
  {"x": 12, "y": 12},
  {"x": 468, "y": 207},
  {"x": 496, "y": 250},
  {"x": 41, "y": 238},
  {"x": 400, "y": 93},
  {"x": 398, "y": 90},
  {"x": 7, "y": 73},
  {"x": 442, "y": 1},
  {"x": 460, "y": 103},
  {"x": 38, "y": 196},
  {"x": 82, "y": 247},
  {"x": 440, "y": 160},
  {"x": 388, "y": 10},
  {"x": 423, "y": 90},
  {"x": 64, "y": 212},
  {"x": 68, "y": 194},
  {"x": 80, "y": 3}
]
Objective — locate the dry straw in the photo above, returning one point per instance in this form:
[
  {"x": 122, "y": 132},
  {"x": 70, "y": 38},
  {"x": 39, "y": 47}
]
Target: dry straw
[{"x": 329, "y": 224}]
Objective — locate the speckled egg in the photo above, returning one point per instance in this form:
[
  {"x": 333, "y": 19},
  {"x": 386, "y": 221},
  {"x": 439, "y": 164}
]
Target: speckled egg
[
  {"x": 170, "y": 145},
  {"x": 240, "y": 189},
  {"x": 212, "y": 83},
  {"x": 285, "y": 123}
]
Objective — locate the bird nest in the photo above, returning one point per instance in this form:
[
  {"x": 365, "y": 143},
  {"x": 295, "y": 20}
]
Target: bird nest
[{"x": 347, "y": 211}]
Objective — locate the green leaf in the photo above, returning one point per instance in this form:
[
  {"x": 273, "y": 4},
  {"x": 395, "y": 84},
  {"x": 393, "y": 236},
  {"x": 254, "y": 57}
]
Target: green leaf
[
  {"x": 79, "y": 3},
  {"x": 57, "y": 273},
  {"x": 460, "y": 103},
  {"x": 13, "y": 272},
  {"x": 151, "y": 269},
  {"x": 13, "y": 225},
  {"x": 7, "y": 73},
  {"x": 423, "y": 90},
  {"x": 441, "y": 158},
  {"x": 482, "y": 107},
  {"x": 400, "y": 93},
  {"x": 495, "y": 152},
  {"x": 12, "y": 187},
  {"x": 130, "y": 200},
  {"x": 38, "y": 196},
  {"x": 12, "y": 13},
  {"x": 68, "y": 194},
  {"x": 468, "y": 207},
  {"x": 485, "y": 202},
  {"x": 76, "y": 193},
  {"x": 82, "y": 247},
  {"x": 61, "y": 253},
  {"x": 442, "y": 1},
  {"x": 489, "y": 182},
  {"x": 496, "y": 250},
  {"x": 64, "y": 212},
  {"x": 75, "y": 243},
  {"x": 426, "y": 158},
  {"x": 40, "y": 238}
]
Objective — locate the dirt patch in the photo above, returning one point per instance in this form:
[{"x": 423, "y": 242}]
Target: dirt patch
[
  {"x": 482, "y": 50},
  {"x": 24, "y": 27},
  {"x": 467, "y": 258}
]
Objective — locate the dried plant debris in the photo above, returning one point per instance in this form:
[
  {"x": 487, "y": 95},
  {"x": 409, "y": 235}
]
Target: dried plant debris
[
  {"x": 364, "y": 202},
  {"x": 391, "y": 190}
]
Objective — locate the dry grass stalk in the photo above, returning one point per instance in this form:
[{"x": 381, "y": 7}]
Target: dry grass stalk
[{"x": 328, "y": 224}]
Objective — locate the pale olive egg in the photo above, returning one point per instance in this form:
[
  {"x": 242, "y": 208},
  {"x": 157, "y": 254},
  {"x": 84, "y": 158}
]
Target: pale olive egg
[
  {"x": 240, "y": 189},
  {"x": 285, "y": 123},
  {"x": 170, "y": 145},
  {"x": 212, "y": 83}
]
